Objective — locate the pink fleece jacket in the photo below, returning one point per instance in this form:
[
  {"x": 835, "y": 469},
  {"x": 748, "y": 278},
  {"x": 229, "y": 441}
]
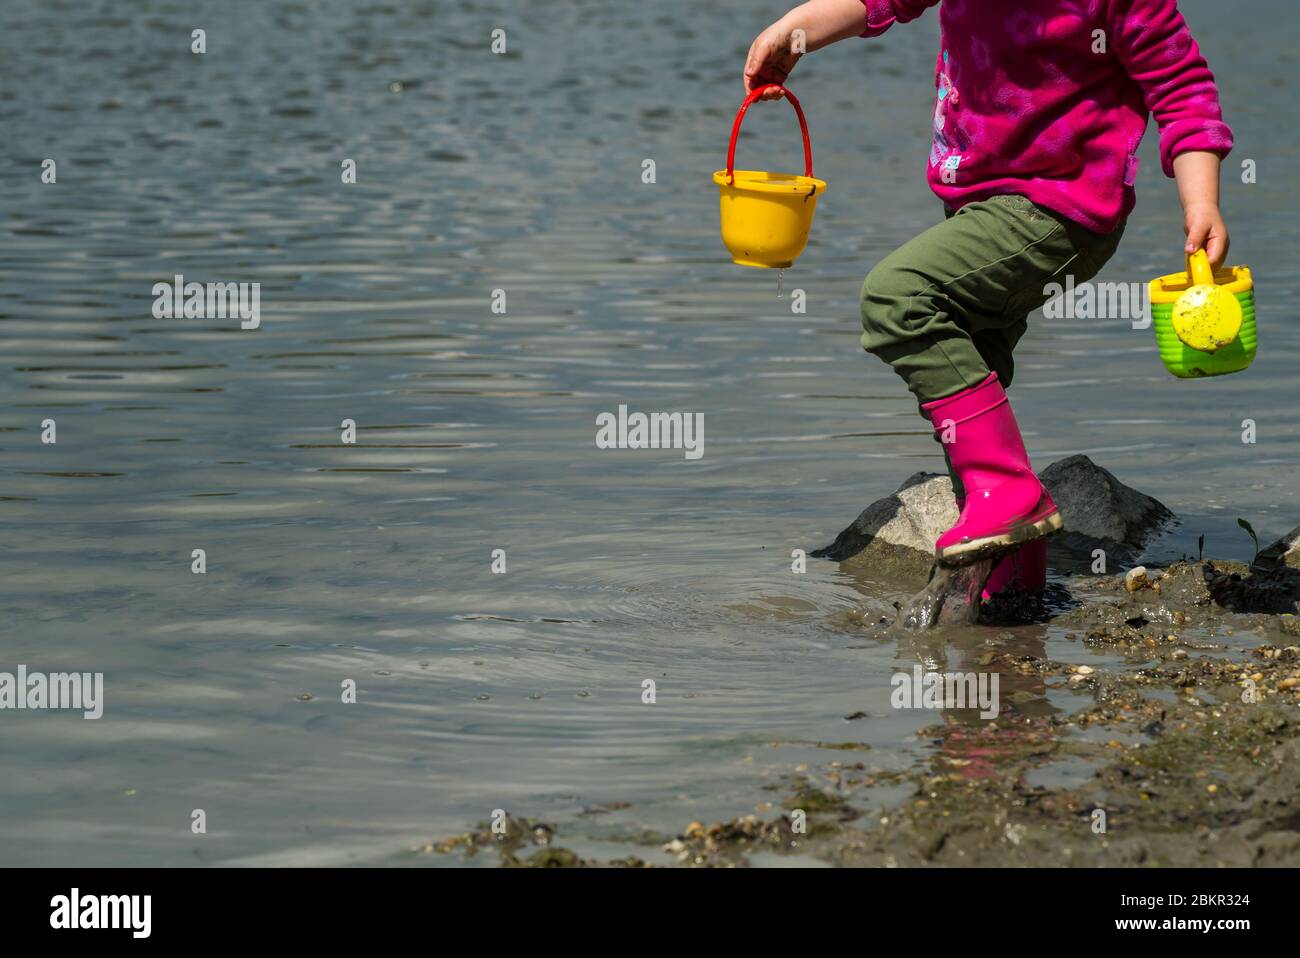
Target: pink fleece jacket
[{"x": 1049, "y": 99}]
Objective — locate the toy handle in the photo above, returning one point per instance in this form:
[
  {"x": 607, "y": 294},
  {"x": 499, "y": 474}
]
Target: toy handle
[
  {"x": 1198, "y": 268},
  {"x": 740, "y": 115}
]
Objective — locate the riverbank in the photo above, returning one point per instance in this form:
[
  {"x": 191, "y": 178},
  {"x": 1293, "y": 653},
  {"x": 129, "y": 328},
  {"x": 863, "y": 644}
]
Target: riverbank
[{"x": 1187, "y": 755}]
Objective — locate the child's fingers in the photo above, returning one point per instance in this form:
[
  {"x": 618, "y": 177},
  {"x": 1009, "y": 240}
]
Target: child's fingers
[
  {"x": 748, "y": 78},
  {"x": 763, "y": 76},
  {"x": 761, "y": 67},
  {"x": 753, "y": 62},
  {"x": 1210, "y": 235},
  {"x": 1217, "y": 249},
  {"x": 760, "y": 51}
]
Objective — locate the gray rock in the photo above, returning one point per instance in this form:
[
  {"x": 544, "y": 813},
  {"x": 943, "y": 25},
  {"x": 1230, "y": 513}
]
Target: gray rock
[
  {"x": 1284, "y": 552},
  {"x": 894, "y": 536},
  {"x": 898, "y": 532},
  {"x": 1096, "y": 506}
]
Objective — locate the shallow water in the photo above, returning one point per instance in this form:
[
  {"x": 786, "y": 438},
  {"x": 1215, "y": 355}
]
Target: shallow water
[{"x": 475, "y": 429}]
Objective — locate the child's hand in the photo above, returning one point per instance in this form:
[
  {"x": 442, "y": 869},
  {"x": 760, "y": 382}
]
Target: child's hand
[
  {"x": 808, "y": 27},
  {"x": 771, "y": 58},
  {"x": 1205, "y": 229},
  {"x": 1197, "y": 173}
]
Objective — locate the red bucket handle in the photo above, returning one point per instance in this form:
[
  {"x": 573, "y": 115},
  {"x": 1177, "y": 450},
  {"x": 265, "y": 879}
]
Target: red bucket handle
[{"x": 740, "y": 115}]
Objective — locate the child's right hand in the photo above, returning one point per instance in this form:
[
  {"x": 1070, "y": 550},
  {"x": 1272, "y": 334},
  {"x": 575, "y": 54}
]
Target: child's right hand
[
  {"x": 1206, "y": 230},
  {"x": 771, "y": 58}
]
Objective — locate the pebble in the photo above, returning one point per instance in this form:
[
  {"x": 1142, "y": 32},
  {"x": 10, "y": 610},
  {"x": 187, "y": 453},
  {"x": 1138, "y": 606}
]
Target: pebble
[
  {"x": 1136, "y": 578},
  {"x": 1288, "y": 684}
]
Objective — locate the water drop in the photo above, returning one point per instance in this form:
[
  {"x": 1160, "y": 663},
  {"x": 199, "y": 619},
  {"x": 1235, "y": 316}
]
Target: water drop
[{"x": 780, "y": 281}]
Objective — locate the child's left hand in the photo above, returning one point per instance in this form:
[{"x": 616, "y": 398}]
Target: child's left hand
[{"x": 1206, "y": 230}]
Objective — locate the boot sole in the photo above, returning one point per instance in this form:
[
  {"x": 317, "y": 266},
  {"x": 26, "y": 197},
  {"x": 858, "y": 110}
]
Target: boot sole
[{"x": 964, "y": 553}]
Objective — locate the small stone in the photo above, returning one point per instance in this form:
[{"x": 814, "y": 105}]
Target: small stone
[
  {"x": 1288, "y": 684},
  {"x": 1136, "y": 578},
  {"x": 1084, "y": 669}
]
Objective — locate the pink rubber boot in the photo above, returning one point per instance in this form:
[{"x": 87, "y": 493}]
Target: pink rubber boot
[
  {"x": 1006, "y": 505},
  {"x": 1024, "y": 570}
]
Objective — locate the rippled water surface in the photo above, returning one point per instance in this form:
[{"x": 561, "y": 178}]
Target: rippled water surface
[{"x": 326, "y": 562}]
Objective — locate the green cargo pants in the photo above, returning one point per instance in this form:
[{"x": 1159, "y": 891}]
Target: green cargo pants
[{"x": 948, "y": 306}]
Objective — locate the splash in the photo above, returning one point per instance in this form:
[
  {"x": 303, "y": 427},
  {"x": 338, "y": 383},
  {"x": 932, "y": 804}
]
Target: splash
[
  {"x": 780, "y": 283},
  {"x": 951, "y": 598}
]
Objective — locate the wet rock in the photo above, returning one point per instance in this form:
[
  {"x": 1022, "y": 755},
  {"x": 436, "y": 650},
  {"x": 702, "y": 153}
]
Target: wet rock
[
  {"x": 1136, "y": 578},
  {"x": 1272, "y": 592},
  {"x": 1098, "y": 507},
  {"x": 554, "y": 858},
  {"x": 898, "y": 532},
  {"x": 1197, "y": 595},
  {"x": 1283, "y": 552},
  {"x": 894, "y": 536}
]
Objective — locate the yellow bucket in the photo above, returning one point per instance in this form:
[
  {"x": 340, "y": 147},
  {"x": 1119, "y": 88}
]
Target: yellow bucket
[
  {"x": 1213, "y": 341},
  {"x": 766, "y": 216}
]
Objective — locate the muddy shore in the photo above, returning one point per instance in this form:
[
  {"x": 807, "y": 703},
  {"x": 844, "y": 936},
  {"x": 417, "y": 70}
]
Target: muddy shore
[{"x": 1188, "y": 755}]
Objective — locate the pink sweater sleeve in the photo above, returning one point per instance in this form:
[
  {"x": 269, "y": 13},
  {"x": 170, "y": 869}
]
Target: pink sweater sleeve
[
  {"x": 883, "y": 14},
  {"x": 1157, "y": 50}
]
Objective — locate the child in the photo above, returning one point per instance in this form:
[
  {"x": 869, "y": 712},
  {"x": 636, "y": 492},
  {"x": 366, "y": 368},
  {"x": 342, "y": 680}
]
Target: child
[{"x": 1041, "y": 106}]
